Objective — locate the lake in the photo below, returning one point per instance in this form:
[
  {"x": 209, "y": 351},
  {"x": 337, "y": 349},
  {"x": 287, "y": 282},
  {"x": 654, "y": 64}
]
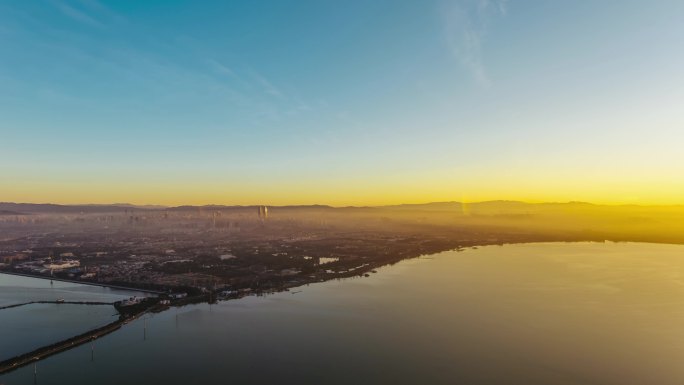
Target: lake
[{"x": 546, "y": 313}]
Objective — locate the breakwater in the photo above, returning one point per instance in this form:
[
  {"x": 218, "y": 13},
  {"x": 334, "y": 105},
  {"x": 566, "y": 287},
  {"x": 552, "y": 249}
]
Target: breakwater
[
  {"x": 46, "y": 351},
  {"x": 56, "y": 302},
  {"x": 82, "y": 282}
]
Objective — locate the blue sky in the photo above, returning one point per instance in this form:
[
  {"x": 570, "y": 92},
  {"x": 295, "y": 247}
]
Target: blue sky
[{"x": 341, "y": 102}]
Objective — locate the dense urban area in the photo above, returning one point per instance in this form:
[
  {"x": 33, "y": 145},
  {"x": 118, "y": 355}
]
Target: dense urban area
[{"x": 233, "y": 250}]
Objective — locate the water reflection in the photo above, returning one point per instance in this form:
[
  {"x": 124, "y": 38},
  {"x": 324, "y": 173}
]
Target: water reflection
[{"x": 517, "y": 314}]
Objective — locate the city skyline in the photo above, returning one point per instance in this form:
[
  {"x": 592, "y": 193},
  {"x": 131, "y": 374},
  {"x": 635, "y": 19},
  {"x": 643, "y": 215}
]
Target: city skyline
[{"x": 368, "y": 103}]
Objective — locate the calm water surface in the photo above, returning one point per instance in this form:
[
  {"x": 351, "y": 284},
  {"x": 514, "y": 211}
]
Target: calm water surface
[
  {"x": 579, "y": 313},
  {"x": 25, "y": 328},
  {"x": 17, "y": 289}
]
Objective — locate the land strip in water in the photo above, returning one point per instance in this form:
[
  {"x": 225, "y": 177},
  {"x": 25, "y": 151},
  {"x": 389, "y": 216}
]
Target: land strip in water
[
  {"x": 38, "y": 354},
  {"x": 80, "y": 282},
  {"x": 57, "y": 302}
]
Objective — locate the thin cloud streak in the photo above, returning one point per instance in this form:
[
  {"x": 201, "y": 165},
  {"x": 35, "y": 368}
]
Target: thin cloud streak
[
  {"x": 218, "y": 67},
  {"x": 103, "y": 11},
  {"x": 466, "y": 24},
  {"x": 267, "y": 86},
  {"x": 77, "y": 15}
]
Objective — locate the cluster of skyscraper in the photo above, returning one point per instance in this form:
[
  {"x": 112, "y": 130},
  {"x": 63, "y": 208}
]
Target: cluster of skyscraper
[{"x": 263, "y": 212}]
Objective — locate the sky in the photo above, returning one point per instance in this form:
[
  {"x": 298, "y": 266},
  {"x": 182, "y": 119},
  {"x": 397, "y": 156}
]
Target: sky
[{"x": 341, "y": 102}]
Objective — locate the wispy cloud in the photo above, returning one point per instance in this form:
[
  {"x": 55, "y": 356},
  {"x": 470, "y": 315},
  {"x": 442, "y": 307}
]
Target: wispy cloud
[
  {"x": 102, "y": 10},
  {"x": 151, "y": 67},
  {"x": 77, "y": 14},
  {"x": 221, "y": 68},
  {"x": 266, "y": 85},
  {"x": 466, "y": 24},
  {"x": 499, "y": 6}
]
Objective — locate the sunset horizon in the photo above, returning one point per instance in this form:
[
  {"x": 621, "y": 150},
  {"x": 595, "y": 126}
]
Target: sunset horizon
[
  {"x": 451, "y": 100},
  {"x": 307, "y": 192},
  {"x": 315, "y": 203}
]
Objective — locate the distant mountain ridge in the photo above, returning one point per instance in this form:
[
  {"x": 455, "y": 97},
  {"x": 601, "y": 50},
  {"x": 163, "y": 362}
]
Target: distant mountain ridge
[
  {"x": 8, "y": 212},
  {"x": 12, "y": 208},
  {"x": 36, "y": 208}
]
